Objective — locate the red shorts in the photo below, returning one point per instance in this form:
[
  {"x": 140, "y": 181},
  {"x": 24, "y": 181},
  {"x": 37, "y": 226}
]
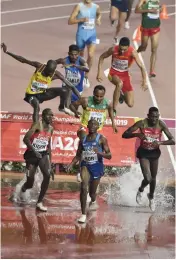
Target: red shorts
[
  {"x": 149, "y": 31},
  {"x": 125, "y": 78}
]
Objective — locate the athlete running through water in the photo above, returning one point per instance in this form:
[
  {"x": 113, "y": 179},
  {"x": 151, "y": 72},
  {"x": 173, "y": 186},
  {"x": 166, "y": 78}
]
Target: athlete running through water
[
  {"x": 75, "y": 68},
  {"x": 150, "y": 28},
  {"x": 150, "y": 132},
  {"x": 38, "y": 89},
  {"x": 86, "y": 14},
  {"x": 123, "y": 56},
  {"x": 91, "y": 151},
  {"x": 38, "y": 153}
]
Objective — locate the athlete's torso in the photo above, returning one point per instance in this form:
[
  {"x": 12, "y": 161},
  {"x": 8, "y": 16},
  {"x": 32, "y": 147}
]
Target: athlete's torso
[
  {"x": 122, "y": 62},
  {"x": 95, "y": 111},
  {"x": 40, "y": 139},
  {"x": 152, "y": 134},
  {"x": 150, "y": 20},
  {"x": 88, "y": 154},
  {"x": 39, "y": 83},
  {"x": 90, "y": 13},
  {"x": 73, "y": 74}
]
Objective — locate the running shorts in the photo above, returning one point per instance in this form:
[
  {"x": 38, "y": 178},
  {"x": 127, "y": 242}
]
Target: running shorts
[
  {"x": 95, "y": 170},
  {"x": 149, "y": 31},
  {"x": 148, "y": 154},
  {"x": 121, "y": 5},
  {"x": 84, "y": 39},
  {"x": 40, "y": 97},
  {"x": 31, "y": 159},
  {"x": 125, "y": 78}
]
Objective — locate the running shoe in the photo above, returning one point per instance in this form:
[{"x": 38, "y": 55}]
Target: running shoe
[
  {"x": 82, "y": 219},
  {"x": 152, "y": 75},
  {"x": 116, "y": 40},
  {"x": 86, "y": 83},
  {"x": 93, "y": 206},
  {"x": 151, "y": 203},
  {"x": 41, "y": 207},
  {"x": 127, "y": 25},
  {"x": 121, "y": 98},
  {"x": 139, "y": 197},
  {"x": 115, "y": 112}
]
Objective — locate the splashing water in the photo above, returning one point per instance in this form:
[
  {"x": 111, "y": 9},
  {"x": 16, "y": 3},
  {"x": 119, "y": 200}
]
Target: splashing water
[
  {"x": 31, "y": 195},
  {"x": 123, "y": 191}
]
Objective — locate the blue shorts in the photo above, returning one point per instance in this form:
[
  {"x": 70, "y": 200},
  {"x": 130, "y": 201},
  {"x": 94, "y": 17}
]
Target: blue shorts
[
  {"x": 121, "y": 5},
  {"x": 83, "y": 39},
  {"x": 95, "y": 170}
]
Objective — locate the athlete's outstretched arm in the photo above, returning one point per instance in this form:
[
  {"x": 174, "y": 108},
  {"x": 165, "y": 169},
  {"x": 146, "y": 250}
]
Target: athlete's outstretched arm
[
  {"x": 141, "y": 66},
  {"x": 59, "y": 75},
  {"x": 60, "y": 61},
  {"x": 83, "y": 65},
  {"x": 21, "y": 59},
  {"x": 73, "y": 17},
  {"x": 107, "y": 153},
  {"x": 170, "y": 140},
  {"x": 75, "y": 105},
  {"x": 103, "y": 56},
  {"x": 129, "y": 133},
  {"x": 98, "y": 15}
]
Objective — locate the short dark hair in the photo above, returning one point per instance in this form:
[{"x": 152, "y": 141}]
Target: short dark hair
[
  {"x": 73, "y": 47},
  {"x": 153, "y": 109},
  {"x": 124, "y": 41},
  {"x": 45, "y": 111},
  {"x": 99, "y": 87}
]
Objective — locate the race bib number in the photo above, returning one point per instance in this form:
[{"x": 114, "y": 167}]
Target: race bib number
[
  {"x": 120, "y": 65},
  {"x": 40, "y": 145},
  {"x": 89, "y": 25},
  {"x": 73, "y": 76},
  {"x": 96, "y": 116},
  {"x": 38, "y": 86},
  {"x": 89, "y": 157},
  {"x": 153, "y": 6}
]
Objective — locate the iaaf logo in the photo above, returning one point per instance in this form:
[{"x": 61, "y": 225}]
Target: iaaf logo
[{"x": 5, "y": 116}]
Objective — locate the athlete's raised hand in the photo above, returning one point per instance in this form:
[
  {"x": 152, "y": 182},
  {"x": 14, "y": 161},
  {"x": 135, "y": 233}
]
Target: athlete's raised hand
[
  {"x": 4, "y": 47},
  {"x": 115, "y": 130}
]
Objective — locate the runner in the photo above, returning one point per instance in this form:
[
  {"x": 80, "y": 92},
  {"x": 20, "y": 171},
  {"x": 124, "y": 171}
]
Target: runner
[
  {"x": 95, "y": 107},
  {"x": 123, "y": 56},
  {"x": 37, "y": 91},
  {"x": 130, "y": 5},
  {"x": 150, "y": 28},
  {"x": 150, "y": 131},
  {"x": 118, "y": 11},
  {"x": 75, "y": 68},
  {"x": 86, "y": 14},
  {"x": 38, "y": 153},
  {"x": 91, "y": 151}
]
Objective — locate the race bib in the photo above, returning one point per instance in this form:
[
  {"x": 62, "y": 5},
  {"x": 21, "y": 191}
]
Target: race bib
[
  {"x": 73, "y": 76},
  {"x": 153, "y": 6},
  {"x": 40, "y": 145},
  {"x": 38, "y": 86},
  {"x": 89, "y": 157},
  {"x": 96, "y": 116},
  {"x": 89, "y": 25},
  {"x": 120, "y": 65}
]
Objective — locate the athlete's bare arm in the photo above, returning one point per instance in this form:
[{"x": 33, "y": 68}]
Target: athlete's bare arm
[
  {"x": 170, "y": 137},
  {"x": 60, "y": 76},
  {"x": 73, "y": 19},
  {"x": 111, "y": 115},
  {"x": 21, "y": 59},
  {"x": 83, "y": 65},
  {"x": 32, "y": 130},
  {"x": 75, "y": 105},
  {"x": 77, "y": 158},
  {"x": 141, "y": 66},
  {"x": 129, "y": 133},
  {"x": 107, "y": 153},
  {"x": 60, "y": 61},
  {"x": 98, "y": 15},
  {"x": 139, "y": 10},
  {"x": 103, "y": 56}
]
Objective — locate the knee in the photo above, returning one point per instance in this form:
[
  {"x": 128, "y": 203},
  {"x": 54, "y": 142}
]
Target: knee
[
  {"x": 119, "y": 85},
  {"x": 153, "y": 50},
  {"x": 84, "y": 187},
  {"x": 91, "y": 55},
  {"x": 148, "y": 178},
  {"x": 130, "y": 103},
  {"x": 142, "y": 48}
]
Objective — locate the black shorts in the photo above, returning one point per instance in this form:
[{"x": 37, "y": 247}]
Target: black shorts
[
  {"x": 30, "y": 157},
  {"x": 121, "y": 5},
  {"x": 148, "y": 154},
  {"x": 40, "y": 97}
]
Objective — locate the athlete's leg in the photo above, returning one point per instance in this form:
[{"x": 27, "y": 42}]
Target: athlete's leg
[
  {"x": 121, "y": 22},
  {"x": 145, "y": 168},
  {"x": 144, "y": 43},
  {"x": 114, "y": 14},
  {"x": 118, "y": 86},
  {"x": 93, "y": 189},
  {"x": 85, "y": 176},
  {"x": 45, "y": 167},
  {"x": 129, "y": 98},
  {"x": 90, "y": 52},
  {"x": 35, "y": 104},
  {"x": 154, "y": 171},
  {"x": 154, "y": 47},
  {"x": 130, "y": 5},
  {"x": 30, "y": 172}
]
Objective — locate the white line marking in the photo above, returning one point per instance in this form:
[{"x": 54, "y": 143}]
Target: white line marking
[
  {"x": 154, "y": 98},
  {"x": 47, "y": 7}
]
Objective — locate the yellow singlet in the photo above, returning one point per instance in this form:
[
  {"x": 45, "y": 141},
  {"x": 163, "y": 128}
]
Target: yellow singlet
[{"x": 39, "y": 83}]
